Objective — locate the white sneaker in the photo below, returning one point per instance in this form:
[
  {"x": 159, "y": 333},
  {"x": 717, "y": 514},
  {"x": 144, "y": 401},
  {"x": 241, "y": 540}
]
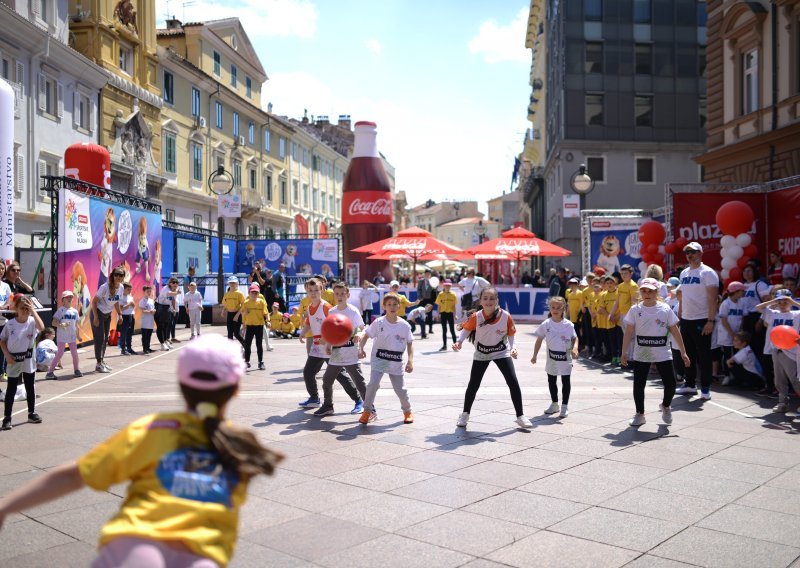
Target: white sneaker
[
  {"x": 164, "y": 347},
  {"x": 463, "y": 418},
  {"x": 270, "y": 348},
  {"x": 107, "y": 367},
  {"x": 781, "y": 407},
  {"x": 523, "y": 422},
  {"x": 553, "y": 408},
  {"x": 666, "y": 414},
  {"x": 637, "y": 420},
  {"x": 727, "y": 381},
  {"x": 99, "y": 368},
  {"x": 705, "y": 395},
  {"x": 686, "y": 390},
  {"x": 564, "y": 411},
  {"x": 169, "y": 344}
]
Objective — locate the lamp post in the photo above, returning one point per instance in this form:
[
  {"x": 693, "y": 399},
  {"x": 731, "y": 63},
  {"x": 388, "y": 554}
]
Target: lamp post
[
  {"x": 480, "y": 231},
  {"x": 220, "y": 183},
  {"x": 582, "y": 184}
]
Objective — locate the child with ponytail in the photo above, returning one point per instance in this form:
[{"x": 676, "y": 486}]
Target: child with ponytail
[{"x": 188, "y": 471}]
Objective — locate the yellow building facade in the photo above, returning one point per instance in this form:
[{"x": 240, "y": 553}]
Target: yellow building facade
[
  {"x": 120, "y": 36},
  {"x": 211, "y": 79}
]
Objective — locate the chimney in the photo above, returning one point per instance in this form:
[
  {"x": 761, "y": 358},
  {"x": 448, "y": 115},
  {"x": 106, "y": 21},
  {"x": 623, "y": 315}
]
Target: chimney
[
  {"x": 322, "y": 120},
  {"x": 174, "y": 24},
  {"x": 344, "y": 121}
]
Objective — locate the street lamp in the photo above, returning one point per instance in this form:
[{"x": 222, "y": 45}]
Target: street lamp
[
  {"x": 582, "y": 184},
  {"x": 480, "y": 231},
  {"x": 220, "y": 183}
]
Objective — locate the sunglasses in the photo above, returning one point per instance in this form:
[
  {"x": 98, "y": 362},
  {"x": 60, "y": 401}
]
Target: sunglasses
[
  {"x": 689, "y": 252},
  {"x": 13, "y": 269}
]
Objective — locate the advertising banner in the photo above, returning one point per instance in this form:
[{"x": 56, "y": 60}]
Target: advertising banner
[
  {"x": 614, "y": 242},
  {"x": 192, "y": 253},
  {"x": 168, "y": 251},
  {"x": 572, "y": 206},
  {"x": 228, "y": 255},
  {"x": 300, "y": 256},
  {"x": 229, "y": 206},
  {"x": 694, "y": 218},
  {"x": 96, "y": 236},
  {"x": 783, "y": 232}
]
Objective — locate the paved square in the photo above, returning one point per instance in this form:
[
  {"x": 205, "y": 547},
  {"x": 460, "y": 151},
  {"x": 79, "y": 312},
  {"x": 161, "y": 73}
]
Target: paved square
[{"x": 719, "y": 487}]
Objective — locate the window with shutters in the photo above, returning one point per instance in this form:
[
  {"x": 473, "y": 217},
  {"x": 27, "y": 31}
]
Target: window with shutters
[
  {"x": 82, "y": 112},
  {"x": 197, "y": 162},
  {"x": 169, "y": 215},
  {"x": 248, "y": 87},
  {"x": 51, "y": 97},
  {"x": 235, "y": 124},
  {"x": 283, "y": 193},
  {"x": 266, "y": 141},
  {"x": 197, "y": 220},
  {"x": 47, "y": 165},
  {"x": 268, "y": 188},
  {"x": 234, "y": 76},
  {"x": 237, "y": 173},
  {"x": 19, "y": 173},
  {"x": 217, "y": 63},
  {"x": 168, "y": 90},
  {"x": 170, "y": 152},
  {"x": 195, "y": 101},
  {"x": 251, "y": 175},
  {"x": 125, "y": 58},
  {"x": 251, "y": 133}
]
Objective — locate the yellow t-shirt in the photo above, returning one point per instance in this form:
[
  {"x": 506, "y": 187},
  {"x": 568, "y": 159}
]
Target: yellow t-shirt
[
  {"x": 179, "y": 489},
  {"x": 588, "y": 302},
  {"x": 601, "y": 320},
  {"x": 256, "y": 312},
  {"x": 404, "y": 304},
  {"x": 328, "y": 296},
  {"x": 304, "y": 304},
  {"x": 607, "y": 300},
  {"x": 626, "y": 291},
  {"x": 446, "y": 302},
  {"x": 275, "y": 320},
  {"x": 285, "y": 327},
  {"x": 574, "y": 304},
  {"x": 296, "y": 319},
  {"x": 233, "y": 300}
]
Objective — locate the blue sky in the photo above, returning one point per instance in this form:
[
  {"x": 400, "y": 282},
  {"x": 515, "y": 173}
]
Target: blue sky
[{"x": 446, "y": 80}]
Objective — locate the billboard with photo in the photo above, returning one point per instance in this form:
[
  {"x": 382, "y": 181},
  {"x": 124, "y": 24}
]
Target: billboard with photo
[
  {"x": 192, "y": 251},
  {"x": 300, "y": 256},
  {"x": 614, "y": 242},
  {"x": 783, "y": 231},
  {"x": 95, "y": 236}
]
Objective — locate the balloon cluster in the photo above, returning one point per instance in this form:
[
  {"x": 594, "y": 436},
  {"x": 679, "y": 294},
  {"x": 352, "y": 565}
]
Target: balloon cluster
[
  {"x": 735, "y": 221},
  {"x": 651, "y": 235}
]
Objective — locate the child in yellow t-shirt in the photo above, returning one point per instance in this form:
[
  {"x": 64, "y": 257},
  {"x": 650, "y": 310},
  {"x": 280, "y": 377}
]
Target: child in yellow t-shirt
[
  {"x": 254, "y": 316},
  {"x": 606, "y": 303},
  {"x": 186, "y": 486},
  {"x": 627, "y": 296},
  {"x": 286, "y": 328},
  {"x": 574, "y": 298},
  {"x": 587, "y": 335},
  {"x": 296, "y": 318},
  {"x": 275, "y": 317},
  {"x": 231, "y": 304}
]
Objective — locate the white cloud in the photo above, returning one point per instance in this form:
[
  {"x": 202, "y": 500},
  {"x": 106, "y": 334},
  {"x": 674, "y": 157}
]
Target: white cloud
[
  {"x": 271, "y": 18},
  {"x": 374, "y": 46},
  {"x": 499, "y": 43}
]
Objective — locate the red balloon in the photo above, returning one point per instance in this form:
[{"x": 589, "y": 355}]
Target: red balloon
[
  {"x": 742, "y": 262},
  {"x": 735, "y": 273},
  {"x": 652, "y": 248},
  {"x": 751, "y": 251},
  {"x": 337, "y": 329},
  {"x": 735, "y": 218},
  {"x": 647, "y": 257},
  {"x": 784, "y": 336},
  {"x": 726, "y": 283},
  {"x": 671, "y": 248},
  {"x": 652, "y": 232},
  {"x": 658, "y": 258},
  {"x": 681, "y": 242}
]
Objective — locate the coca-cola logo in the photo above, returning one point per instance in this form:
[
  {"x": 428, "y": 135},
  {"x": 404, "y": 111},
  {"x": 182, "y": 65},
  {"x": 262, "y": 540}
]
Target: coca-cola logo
[{"x": 377, "y": 207}]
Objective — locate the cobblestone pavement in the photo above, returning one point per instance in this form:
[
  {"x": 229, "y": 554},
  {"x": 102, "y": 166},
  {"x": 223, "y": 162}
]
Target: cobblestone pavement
[{"x": 720, "y": 487}]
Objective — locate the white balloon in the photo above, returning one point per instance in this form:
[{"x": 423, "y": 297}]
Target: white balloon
[
  {"x": 727, "y": 241},
  {"x": 725, "y": 273},
  {"x": 735, "y": 252},
  {"x": 642, "y": 267},
  {"x": 728, "y": 262},
  {"x": 744, "y": 240},
  {"x": 662, "y": 249},
  {"x": 725, "y": 252}
]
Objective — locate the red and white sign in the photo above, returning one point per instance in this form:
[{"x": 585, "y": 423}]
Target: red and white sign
[
  {"x": 572, "y": 206},
  {"x": 694, "y": 218},
  {"x": 366, "y": 207},
  {"x": 783, "y": 233}
]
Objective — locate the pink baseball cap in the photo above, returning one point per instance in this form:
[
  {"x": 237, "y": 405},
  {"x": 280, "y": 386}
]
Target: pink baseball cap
[
  {"x": 255, "y": 288},
  {"x": 650, "y": 283},
  {"x": 735, "y": 286},
  {"x": 214, "y": 355}
]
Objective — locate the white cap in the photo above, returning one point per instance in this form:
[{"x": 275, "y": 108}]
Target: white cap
[{"x": 394, "y": 283}]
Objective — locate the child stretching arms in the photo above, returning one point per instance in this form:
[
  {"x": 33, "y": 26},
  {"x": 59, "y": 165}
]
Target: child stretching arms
[
  {"x": 484, "y": 328},
  {"x": 562, "y": 348}
]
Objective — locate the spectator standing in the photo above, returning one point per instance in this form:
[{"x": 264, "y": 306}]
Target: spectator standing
[
  {"x": 15, "y": 283},
  {"x": 558, "y": 283},
  {"x": 279, "y": 285},
  {"x": 778, "y": 271},
  {"x": 472, "y": 286},
  {"x": 105, "y": 302},
  {"x": 426, "y": 294}
]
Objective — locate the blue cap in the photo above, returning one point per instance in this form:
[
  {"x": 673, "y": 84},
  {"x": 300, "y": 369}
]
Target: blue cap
[
  {"x": 783, "y": 293},
  {"x": 673, "y": 282}
]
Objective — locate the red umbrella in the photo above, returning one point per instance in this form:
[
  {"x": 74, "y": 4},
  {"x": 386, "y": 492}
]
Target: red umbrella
[
  {"x": 518, "y": 244},
  {"x": 413, "y": 242}
]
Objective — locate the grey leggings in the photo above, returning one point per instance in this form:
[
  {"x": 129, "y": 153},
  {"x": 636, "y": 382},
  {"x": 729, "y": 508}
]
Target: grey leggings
[
  {"x": 399, "y": 389},
  {"x": 100, "y": 331}
]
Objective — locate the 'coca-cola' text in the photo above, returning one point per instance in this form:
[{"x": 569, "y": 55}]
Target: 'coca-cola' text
[{"x": 366, "y": 207}]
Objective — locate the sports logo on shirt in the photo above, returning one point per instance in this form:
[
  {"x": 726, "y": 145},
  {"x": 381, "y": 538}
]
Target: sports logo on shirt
[{"x": 198, "y": 475}]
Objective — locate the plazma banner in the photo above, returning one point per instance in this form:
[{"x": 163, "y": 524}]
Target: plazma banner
[{"x": 299, "y": 256}]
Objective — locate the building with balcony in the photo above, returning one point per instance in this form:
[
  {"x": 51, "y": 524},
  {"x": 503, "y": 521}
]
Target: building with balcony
[
  {"x": 753, "y": 129},
  {"x": 210, "y": 79},
  {"x": 56, "y": 93},
  {"x": 508, "y": 209},
  {"x": 624, "y": 94},
  {"x": 468, "y": 231},
  {"x": 430, "y": 214}
]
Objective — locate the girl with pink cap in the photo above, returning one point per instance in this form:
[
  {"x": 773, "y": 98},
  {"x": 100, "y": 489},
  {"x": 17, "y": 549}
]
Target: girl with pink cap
[{"x": 188, "y": 471}]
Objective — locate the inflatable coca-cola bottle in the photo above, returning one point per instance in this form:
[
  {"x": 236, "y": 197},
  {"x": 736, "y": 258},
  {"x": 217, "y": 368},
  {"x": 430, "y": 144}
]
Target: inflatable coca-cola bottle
[{"x": 366, "y": 203}]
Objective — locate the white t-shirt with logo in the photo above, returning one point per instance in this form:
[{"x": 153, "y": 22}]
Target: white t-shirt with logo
[
  {"x": 389, "y": 342},
  {"x": 754, "y": 293},
  {"x": 147, "y": 321},
  {"x": 747, "y": 359},
  {"x": 67, "y": 331},
  {"x": 651, "y": 331},
  {"x": 193, "y": 301},
  {"x": 734, "y": 313},
  {"x": 673, "y": 304},
  {"x": 314, "y": 317},
  {"x": 106, "y": 300},
  {"x": 19, "y": 338},
  {"x": 694, "y": 291},
  {"x": 346, "y": 354},
  {"x": 773, "y": 318},
  {"x": 559, "y": 337},
  {"x": 124, "y": 300}
]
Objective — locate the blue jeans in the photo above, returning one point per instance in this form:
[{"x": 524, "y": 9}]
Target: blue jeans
[{"x": 126, "y": 332}]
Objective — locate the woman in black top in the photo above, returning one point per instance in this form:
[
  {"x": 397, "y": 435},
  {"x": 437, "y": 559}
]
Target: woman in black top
[{"x": 17, "y": 285}]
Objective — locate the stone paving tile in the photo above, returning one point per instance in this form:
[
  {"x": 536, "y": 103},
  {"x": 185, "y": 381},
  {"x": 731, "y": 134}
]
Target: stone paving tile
[
  {"x": 715, "y": 488},
  {"x": 434, "y": 462},
  {"x": 388, "y": 512},
  {"x": 559, "y": 427},
  {"x": 381, "y": 477},
  {"x": 786, "y": 480},
  {"x": 265, "y": 486},
  {"x": 711, "y": 435},
  {"x": 686, "y": 446},
  {"x": 623, "y": 436},
  {"x": 319, "y": 494},
  {"x": 448, "y": 491},
  {"x": 759, "y": 456},
  {"x": 581, "y": 446},
  {"x": 375, "y": 451},
  {"x": 642, "y": 454},
  {"x": 483, "y": 563},
  {"x": 500, "y": 474},
  {"x": 621, "y": 472},
  {"x": 386, "y": 550},
  {"x": 680, "y": 509},
  {"x": 576, "y": 488},
  {"x": 545, "y": 459},
  {"x": 735, "y": 424},
  {"x": 467, "y": 532},
  {"x": 29, "y": 537},
  {"x": 9, "y": 466},
  {"x": 324, "y": 464},
  {"x": 790, "y": 444},
  {"x": 83, "y": 523},
  {"x": 524, "y": 438},
  {"x": 747, "y": 472},
  {"x": 71, "y": 554},
  {"x": 539, "y": 550},
  {"x": 527, "y": 508},
  {"x": 648, "y": 561},
  {"x": 303, "y": 537},
  {"x": 76, "y": 500},
  {"x": 618, "y": 528},
  {"x": 714, "y": 549},
  {"x": 259, "y": 513},
  {"x": 762, "y": 524},
  {"x": 251, "y": 555},
  {"x": 482, "y": 448}
]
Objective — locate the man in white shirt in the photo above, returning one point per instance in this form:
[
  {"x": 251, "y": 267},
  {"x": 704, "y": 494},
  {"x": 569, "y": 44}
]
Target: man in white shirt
[
  {"x": 698, "y": 315},
  {"x": 472, "y": 286}
]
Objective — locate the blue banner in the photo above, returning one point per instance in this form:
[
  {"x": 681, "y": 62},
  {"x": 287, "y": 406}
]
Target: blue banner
[
  {"x": 228, "y": 255},
  {"x": 167, "y": 252},
  {"x": 614, "y": 242},
  {"x": 192, "y": 253},
  {"x": 299, "y": 256}
]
